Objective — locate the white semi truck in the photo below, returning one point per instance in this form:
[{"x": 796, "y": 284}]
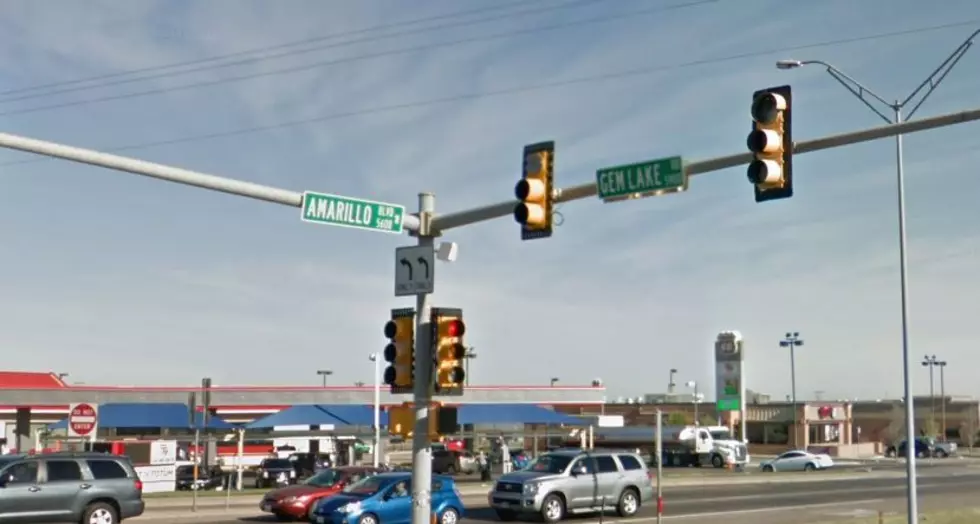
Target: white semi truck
[{"x": 683, "y": 445}]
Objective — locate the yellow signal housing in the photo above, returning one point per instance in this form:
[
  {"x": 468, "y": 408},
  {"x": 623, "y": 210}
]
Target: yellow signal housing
[
  {"x": 449, "y": 351},
  {"x": 535, "y": 192},
  {"x": 401, "y": 420},
  {"x": 400, "y": 351},
  {"x": 771, "y": 144}
]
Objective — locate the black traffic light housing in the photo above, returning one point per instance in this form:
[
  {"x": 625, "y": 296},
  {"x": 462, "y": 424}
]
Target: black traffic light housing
[
  {"x": 535, "y": 191},
  {"x": 771, "y": 142}
]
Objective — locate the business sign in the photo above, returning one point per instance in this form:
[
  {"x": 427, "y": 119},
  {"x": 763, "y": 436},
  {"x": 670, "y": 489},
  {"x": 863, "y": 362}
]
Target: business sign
[
  {"x": 157, "y": 479},
  {"x": 729, "y": 363},
  {"x": 163, "y": 452}
]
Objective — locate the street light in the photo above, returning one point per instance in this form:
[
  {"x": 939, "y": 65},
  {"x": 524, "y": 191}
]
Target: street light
[
  {"x": 670, "y": 381},
  {"x": 376, "y": 358},
  {"x": 470, "y": 354},
  {"x": 62, "y": 376},
  {"x": 925, "y": 89},
  {"x": 324, "y": 373},
  {"x": 554, "y": 380},
  {"x": 932, "y": 363},
  {"x": 792, "y": 341},
  {"x": 694, "y": 385}
]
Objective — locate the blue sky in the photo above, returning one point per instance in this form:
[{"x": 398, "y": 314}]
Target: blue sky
[{"x": 116, "y": 278}]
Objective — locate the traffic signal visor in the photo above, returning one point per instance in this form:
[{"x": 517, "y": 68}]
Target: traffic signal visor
[
  {"x": 766, "y": 140},
  {"x": 450, "y": 352},
  {"x": 400, "y": 351}
]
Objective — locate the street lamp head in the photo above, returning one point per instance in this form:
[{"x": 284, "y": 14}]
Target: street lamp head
[
  {"x": 941, "y": 363},
  {"x": 373, "y": 357},
  {"x": 692, "y": 384},
  {"x": 788, "y": 64},
  {"x": 783, "y": 343}
]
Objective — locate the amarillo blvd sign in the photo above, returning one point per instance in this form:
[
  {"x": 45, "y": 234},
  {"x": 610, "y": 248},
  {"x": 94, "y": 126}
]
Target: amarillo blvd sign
[{"x": 83, "y": 420}]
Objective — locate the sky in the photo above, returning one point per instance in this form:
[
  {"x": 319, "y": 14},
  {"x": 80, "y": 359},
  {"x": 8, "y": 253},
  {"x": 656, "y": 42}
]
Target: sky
[{"x": 121, "y": 279}]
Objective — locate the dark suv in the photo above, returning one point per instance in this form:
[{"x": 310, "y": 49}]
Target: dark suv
[{"x": 69, "y": 487}]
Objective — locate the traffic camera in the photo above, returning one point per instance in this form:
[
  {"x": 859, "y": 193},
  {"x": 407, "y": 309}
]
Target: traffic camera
[
  {"x": 771, "y": 144},
  {"x": 400, "y": 351},
  {"x": 535, "y": 191},
  {"x": 449, "y": 351}
]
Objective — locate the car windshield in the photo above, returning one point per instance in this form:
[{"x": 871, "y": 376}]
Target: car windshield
[
  {"x": 5, "y": 461},
  {"x": 324, "y": 478},
  {"x": 721, "y": 434},
  {"x": 365, "y": 486},
  {"x": 549, "y": 463},
  {"x": 277, "y": 464}
]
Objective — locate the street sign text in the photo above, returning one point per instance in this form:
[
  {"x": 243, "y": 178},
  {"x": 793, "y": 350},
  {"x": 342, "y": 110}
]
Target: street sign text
[
  {"x": 343, "y": 211},
  {"x": 644, "y": 179}
]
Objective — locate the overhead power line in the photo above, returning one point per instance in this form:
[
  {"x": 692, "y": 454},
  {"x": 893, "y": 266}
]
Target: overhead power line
[
  {"x": 602, "y": 77},
  {"x": 287, "y": 45},
  {"x": 332, "y": 62}
]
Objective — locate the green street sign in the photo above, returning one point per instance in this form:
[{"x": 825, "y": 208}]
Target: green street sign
[
  {"x": 729, "y": 404},
  {"x": 645, "y": 179},
  {"x": 334, "y": 210}
]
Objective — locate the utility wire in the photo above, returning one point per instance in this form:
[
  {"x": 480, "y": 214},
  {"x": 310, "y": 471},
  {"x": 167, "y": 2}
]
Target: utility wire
[
  {"x": 326, "y": 63},
  {"x": 603, "y": 77},
  {"x": 287, "y": 45}
]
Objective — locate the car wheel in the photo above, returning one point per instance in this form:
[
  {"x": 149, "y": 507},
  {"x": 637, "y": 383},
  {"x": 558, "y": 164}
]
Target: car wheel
[
  {"x": 629, "y": 503},
  {"x": 449, "y": 516},
  {"x": 552, "y": 508},
  {"x": 941, "y": 454},
  {"x": 367, "y": 518},
  {"x": 506, "y": 515},
  {"x": 716, "y": 461},
  {"x": 809, "y": 467},
  {"x": 100, "y": 513},
  {"x": 890, "y": 453},
  {"x": 768, "y": 469}
]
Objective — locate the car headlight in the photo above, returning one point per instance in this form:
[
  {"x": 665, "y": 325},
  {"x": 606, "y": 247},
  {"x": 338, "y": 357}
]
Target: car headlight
[
  {"x": 288, "y": 500},
  {"x": 351, "y": 507},
  {"x": 530, "y": 488}
]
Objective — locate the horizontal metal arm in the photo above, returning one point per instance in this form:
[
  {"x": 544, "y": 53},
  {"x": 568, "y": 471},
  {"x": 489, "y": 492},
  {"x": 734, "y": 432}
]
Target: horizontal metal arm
[
  {"x": 167, "y": 173},
  {"x": 480, "y": 214}
]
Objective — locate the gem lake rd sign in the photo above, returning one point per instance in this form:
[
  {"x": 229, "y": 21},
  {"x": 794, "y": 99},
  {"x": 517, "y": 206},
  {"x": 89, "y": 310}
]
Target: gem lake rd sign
[
  {"x": 335, "y": 210},
  {"x": 641, "y": 180}
]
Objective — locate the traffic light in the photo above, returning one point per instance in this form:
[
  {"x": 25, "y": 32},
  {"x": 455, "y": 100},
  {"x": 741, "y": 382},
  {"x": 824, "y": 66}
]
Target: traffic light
[
  {"x": 448, "y": 349},
  {"x": 535, "y": 191},
  {"x": 400, "y": 351},
  {"x": 443, "y": 420},
  {"x": 771, "y": 143}
]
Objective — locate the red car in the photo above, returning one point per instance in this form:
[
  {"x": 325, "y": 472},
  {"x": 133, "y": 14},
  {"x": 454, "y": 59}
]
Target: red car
[{"x": 297, "y": 501}]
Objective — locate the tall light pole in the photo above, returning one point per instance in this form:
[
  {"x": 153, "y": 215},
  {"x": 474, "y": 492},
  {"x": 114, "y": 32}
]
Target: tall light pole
[
  {"x": 792, "y": 341},
  {"x": 470, "y": 354},
  {"x": 932, "y": 363},
  {"x": 693, "y": 384},
  {"x": 376, "y": 445},
  {"x": 670, "y": 381},
  {"x": 324, "y": 373},
  {"x": 924, "y": 89},
  {"x": 942, "y": 393}
]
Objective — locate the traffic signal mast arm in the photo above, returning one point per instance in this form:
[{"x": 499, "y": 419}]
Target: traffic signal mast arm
[{"x": 471, "y": 216}]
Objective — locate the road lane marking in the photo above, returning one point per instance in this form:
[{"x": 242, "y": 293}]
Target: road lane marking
[{"x": 708, "y": 514}]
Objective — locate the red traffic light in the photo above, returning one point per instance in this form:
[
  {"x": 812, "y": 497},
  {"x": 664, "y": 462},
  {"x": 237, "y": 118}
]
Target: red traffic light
[{"x": 455, "y": 328}]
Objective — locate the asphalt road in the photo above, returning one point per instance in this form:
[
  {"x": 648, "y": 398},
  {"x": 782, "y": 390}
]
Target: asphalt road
[{"x": 822, "y": 498}]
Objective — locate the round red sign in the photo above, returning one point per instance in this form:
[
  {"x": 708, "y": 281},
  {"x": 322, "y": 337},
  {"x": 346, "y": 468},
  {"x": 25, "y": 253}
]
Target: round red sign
[{"x": 82, "y": 419}]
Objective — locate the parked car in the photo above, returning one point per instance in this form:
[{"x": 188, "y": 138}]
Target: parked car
[
  {"x": 308, "y": 464},
  {"x": 69, "y": 487},
  {"x": 924, "y": 448},
  {"x": 574, "y": 481},
  {"x": 797, "y": 460},
  {"x": 297, "y": 502},
  {"x": 274, "y": 472},
  {"x": 207, "y": 478},
  {"x": 387, "y": 498}
]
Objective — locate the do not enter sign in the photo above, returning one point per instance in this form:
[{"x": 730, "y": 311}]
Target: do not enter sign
[{"x": 83, "y": 419}]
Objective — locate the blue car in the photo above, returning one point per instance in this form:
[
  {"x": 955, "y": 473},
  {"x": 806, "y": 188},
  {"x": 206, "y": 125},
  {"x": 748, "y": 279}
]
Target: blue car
[{"x": 386, "y": 498}]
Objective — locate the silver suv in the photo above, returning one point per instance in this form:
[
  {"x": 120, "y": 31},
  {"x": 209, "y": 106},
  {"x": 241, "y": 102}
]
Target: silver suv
[
  {"x": 69, "y": 487},
  {"x": 574, "y": 481}
]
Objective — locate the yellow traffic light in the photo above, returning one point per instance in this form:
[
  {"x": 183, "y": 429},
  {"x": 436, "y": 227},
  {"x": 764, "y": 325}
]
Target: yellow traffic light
[
  {"x": 535, "y": 191},
  {"x": 771, "y": 143},
  {"x": 448, "y": 349},
  {"x": 401, "y": 420},
  {"x": 400, "y": 351}
]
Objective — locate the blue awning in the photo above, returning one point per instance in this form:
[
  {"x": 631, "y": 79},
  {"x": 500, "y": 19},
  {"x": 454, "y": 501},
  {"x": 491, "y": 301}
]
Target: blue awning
[
  {"x": 514, "y": 414},
  {"x": 337, "y": 415},
  {"x": 149, "y": 415}
]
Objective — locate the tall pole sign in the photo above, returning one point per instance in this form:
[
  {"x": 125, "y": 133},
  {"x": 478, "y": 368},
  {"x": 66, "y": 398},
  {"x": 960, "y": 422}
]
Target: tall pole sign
[{"x": 729, "y": 380}]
